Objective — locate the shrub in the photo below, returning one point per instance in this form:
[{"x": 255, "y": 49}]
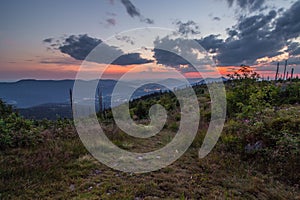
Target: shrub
[
  {"x": 15, "y": 131},
  {"x": 279, "y": 136}
]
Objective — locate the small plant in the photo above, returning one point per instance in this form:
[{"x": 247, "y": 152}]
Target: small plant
[{"x": 173, "y": 126}]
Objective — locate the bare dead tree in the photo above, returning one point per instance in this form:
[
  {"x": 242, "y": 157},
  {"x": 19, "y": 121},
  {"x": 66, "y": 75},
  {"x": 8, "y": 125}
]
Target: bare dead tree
[
  {"x": 292, "y": 73},
  {"x": 277, "y": 70},
  {"x": 285, "y": 65},
  {"x": 71, "y": 98}
]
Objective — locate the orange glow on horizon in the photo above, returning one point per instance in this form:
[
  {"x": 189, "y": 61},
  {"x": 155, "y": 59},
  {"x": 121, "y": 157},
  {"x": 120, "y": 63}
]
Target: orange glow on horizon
[
  {"x": 118, "y": 69},
  {"x": 192, "y": 75},
  {"x": 224, "y": 70},
  {"x": 36, "y": 69}
]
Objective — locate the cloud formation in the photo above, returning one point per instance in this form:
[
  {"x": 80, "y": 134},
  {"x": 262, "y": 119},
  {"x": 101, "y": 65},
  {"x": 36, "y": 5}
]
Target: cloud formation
[
  {"x": 288, "y": 25},
  {"x": 80, "y": 47},
  {"x": 60, "y": 61},
  {"x": 251, "y": 5},
  {"x": 294, "y": 48},
  {"x": 217, "y": 19},
  {"x": 211, "y": 43},
  {"x": 187, "y": 28},
  {"x": 133, "y": 12},
  {"x": 125, "y": 38},
  {"x": 256, "y": 37},
  {"x": 111, "y": 21},
  {"x": 182, "y": 52},
  {"x": 131, "y": 9},
  {"x": 48, "y": 40},
  {"x": 249, "y": 40}
]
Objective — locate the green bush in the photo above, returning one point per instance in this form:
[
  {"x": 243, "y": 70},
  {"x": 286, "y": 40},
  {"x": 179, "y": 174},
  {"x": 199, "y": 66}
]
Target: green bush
[
  {"x": 16, "y": 131},
  {"x": 279, "y": 133}
]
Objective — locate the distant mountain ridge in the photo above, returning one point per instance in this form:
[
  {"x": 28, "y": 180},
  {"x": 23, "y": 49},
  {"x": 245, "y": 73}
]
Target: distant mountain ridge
[
  {"x": 28, "y": 93},
  {"x": 52, "y": 96}
]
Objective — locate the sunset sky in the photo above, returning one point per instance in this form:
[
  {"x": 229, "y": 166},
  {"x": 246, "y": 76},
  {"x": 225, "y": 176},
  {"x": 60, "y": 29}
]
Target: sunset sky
[{"x": 41, "y": 39}]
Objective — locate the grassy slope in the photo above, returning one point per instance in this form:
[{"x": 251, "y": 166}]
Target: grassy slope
[{"x": 60, "y": 168}]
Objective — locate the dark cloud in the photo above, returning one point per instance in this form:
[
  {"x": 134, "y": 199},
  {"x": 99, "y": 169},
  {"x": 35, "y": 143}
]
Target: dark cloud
[
  {"x": 249, "y": 40},
  {"x": 254, "y": 24},
  {"x": 176, "y": 61},
  {"x": 295, "y": 61},
  {"x": 130, "y": 59},
  {"x": 147, "y": 20},
  {"x": 211, "y": 43},
  {"x": 125, "y": 38},
  {"x": 217, "y": 18},
  {"x": 230, "y": 2},
  {"x": 187, "y": 28},
  {"x": 133, "y": 12},
  {"x": 294, "y": 48},
  {"x": 251, "y": 5},
  {"x": 48, "y": 40},
  {"x": 54, "y": 45},
  {"x": 80, "y": 47},
  {"x": 257, "y": 36},
  {"x": 183, "y": 54},
  {"x": 111, "y": 21},
  {"x": 168, "y": 58},
  {"x": 297, "y": 51},
  {"x": 232, "y": 33},
  {"x": 247, "y": 50},
  {"x": 131, "y": 9},
  {"x": 288, "y": 25},
  {"x": 280, "y": 10}
]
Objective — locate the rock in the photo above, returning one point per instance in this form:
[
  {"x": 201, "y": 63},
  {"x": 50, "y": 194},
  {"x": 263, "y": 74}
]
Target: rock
[
  {"x": 72, "y": 187},
  {"x": 140, "y": 158}
]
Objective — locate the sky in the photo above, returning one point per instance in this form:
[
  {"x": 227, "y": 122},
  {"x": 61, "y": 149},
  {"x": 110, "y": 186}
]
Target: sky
[{"x": 41, "y": 39}]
